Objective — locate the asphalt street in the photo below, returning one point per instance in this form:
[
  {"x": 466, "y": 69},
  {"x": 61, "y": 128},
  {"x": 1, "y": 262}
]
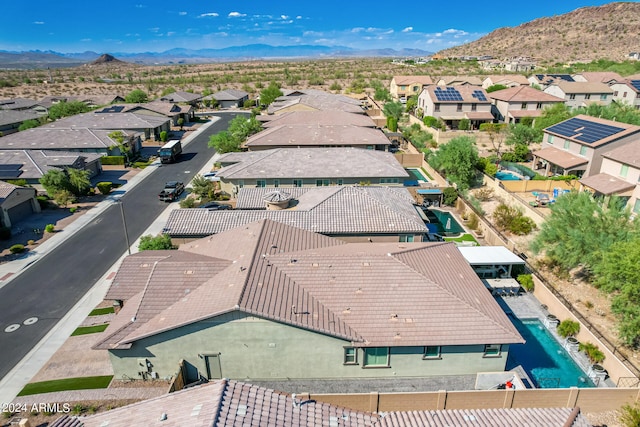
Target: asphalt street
[{"x": 39, "y": 297}]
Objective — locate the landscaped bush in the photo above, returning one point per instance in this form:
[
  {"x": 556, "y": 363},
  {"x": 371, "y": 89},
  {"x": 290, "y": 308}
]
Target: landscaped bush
[
  {"x": 140, "y": 165},
  {"x": 73, "y": 209},
  {"x": 473, "y": 221},
  {"x": 593, "y": 352},
  {"x": 430, "y": 121},
  {"x": 510, "y": 218},
  {"x": 464, "y": 124},
  {"x": 50, "y": 228},
  {"x": 164, "y": 136},
  {"x": 526, "y": 281},
  {"x": 568, "y": 328},
  {"x": 484, "y": 194},
  {"x": 450, "y": 195},
  {"x": 17, "y": 249},
  {"x": 104, "y": 187},
  {"x": 189, "y": 202},
  {"x": 522, "y": 225},
  {"x": 112, "y": 160}
]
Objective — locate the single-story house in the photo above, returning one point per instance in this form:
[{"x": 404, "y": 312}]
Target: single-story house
[
  {"x": 163, "y": 109},
  {"x": 455, "y": 103},
  {"x": 314, "y": 100},
  {"x": 75, "y": 139},
  {"x": 576, "y": 145},
  {"x": 182, "y": 97},
  {"x": 353, "y": 214},
  {"x": 581, "y": 94},
  {"x": 16, "y": 203},
  {"x": 274, "y": 302},
  {"x": 515, "y": 103},
  {"x": 92, "y": 101},
  {"x": 230, "y": 403},
  {"x": 230, "y": 98},
  {"x": 23, "y": 104},
  {"x": 313, "y": 135},
  {"x": 30, "y": 165},
  {"x": 114, "y": 118},
  {"x": 305, "y": 167},
  {"x": 318, "y": 118},
  {"x": 11, "y": 120}
]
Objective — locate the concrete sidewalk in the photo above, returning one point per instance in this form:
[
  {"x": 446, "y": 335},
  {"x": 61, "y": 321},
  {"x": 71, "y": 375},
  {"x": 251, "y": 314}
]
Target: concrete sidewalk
[{"x": 29, "y": 366}]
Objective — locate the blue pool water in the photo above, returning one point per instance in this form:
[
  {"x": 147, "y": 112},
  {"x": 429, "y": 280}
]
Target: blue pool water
[
  {"x": 544, "y": 359},
  {"x": 415, "y": 177},
  {"x": 442, "y": 223},
  {"x": 507, "y": 176}
]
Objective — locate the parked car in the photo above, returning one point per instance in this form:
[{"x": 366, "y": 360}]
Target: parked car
[
  {"x": 171, "y": 191},
  {"x": 215, "y": 206},
  {"x": 211, "y": 176}
]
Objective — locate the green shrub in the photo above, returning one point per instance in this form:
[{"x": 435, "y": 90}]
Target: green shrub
[
  {"x": 491, "y": 169},
  {"x": 593, "y": 352},
  {"x": 473, "y": 221},
  {"x": 17, "y": 249},
  {"x": 188, "y": 202},
  {"x": 140, "y": 165},
  {"x": 249, "y": 103},
  {"x": 73, "y": 209},
  {"x": 104, "y": 187},
  {"x": 5, "y": 233},
  {"x": 164, "y": 136},
  {"x": 464, "y": 124},
  {"x": 522, "y": 225},
  {"x": 526, "y": 281},
  {"x": 50, "y": 228},
  {"x": 450, "y": 195},
  {"x": 112, "y": 160},
  {"x": 567, "y": 328},
  {"x": 630, "y": 415}
]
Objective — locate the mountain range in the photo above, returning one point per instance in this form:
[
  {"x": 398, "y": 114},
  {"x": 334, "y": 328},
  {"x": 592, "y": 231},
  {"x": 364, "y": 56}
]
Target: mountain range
[{"x": 43, "y": 59}]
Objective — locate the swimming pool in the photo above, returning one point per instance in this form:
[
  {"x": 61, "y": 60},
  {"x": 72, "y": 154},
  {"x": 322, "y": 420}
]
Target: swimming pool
[
  {"x": 507, "y": 176},
  {"x": 546, "y": 362},
  {"x": 442, "y": 223}
]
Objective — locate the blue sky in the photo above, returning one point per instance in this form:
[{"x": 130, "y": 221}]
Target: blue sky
[{"x": 158, "y": 25}]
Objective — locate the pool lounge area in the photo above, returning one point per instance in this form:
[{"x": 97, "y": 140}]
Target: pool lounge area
[{"x": 416, "y": 178}]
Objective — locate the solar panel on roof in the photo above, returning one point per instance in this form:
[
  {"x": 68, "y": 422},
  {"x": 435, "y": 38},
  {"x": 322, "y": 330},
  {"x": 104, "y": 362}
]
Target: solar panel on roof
[
  {"x": 112, "y": 109},
  {"x": 584, "y": 130},
  {"x": 447, "y": 94},
  {"x": 10, "y": 166},
  {"x": 9, "y": 174},
  {"x": 479, "y": 95},
  {"x": 636, "y": 84}
]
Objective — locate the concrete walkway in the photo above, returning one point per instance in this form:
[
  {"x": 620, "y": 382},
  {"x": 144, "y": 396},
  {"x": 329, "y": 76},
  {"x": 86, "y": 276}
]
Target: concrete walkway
[{"x": 31, "y": 364}]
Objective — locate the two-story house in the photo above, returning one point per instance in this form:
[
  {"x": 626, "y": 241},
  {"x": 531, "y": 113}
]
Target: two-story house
[
  {"x": 508, "y": 80},
  {"x": 454, "y": 103},
  {"x": 513, "y": 104},
  {"x": 403, "y": 87},
  {"x": 581, "y": 94},
  {"x": 545, "y": 80},
  {"x": 575, "y": 146},
  {"x": 627, "y": 92},
  {"x": 619, "y": 175}
]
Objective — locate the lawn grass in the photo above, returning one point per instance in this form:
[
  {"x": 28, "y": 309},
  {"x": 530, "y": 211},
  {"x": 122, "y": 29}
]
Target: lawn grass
[
  {"x": 84, "y": 330},
  {"x": 81, "y": 383},
  {"x": 424, "y": 171},
  {"x": 103, "y": 310},
  {"x": 466, "y": 237}
]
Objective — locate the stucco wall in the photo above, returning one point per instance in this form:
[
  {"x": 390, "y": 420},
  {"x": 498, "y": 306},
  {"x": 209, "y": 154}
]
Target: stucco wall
[{"x": 254, "y": 348}]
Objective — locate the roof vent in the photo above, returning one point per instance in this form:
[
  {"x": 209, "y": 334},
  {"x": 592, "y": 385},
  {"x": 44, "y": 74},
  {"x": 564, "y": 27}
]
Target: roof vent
[
  {"x": 163, "y": 417},
  {"x": 277, "y": 200},
  {"x": 242, "y": 410}
]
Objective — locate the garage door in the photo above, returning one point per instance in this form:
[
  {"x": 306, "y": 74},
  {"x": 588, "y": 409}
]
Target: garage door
[{"x": 20, "y": 211}]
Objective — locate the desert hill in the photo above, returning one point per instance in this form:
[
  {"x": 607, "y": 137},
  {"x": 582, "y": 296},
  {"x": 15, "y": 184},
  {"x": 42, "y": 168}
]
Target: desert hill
[{"x": 610, "y": 32}]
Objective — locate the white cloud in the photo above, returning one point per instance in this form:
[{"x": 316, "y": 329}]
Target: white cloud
[
  {"x": 182, "y": 13},
  {"x": 236, "y": 15},
  {"x": 298, "y": 17},
  {"x": 171, "y": 33},
  {"x": 39, "y": 22},
  {"x": 455, "y": 32},
  {"x": 407, "y": 30},
  {"x": 204, "y": 15},
  {"x": 284, "y": 17}
]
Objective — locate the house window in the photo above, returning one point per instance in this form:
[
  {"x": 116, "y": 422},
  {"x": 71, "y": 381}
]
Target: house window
[
  {"x": 276, "y": 183},
  {"x": 261, "y": 183},
  {"x": 432, "y": 352},
  {"x": 416, "y": 88},
  {"x": 550, "y": 139},
  {"x": 240, "y": 184},
  {"x": 389, "y": 180},
  {"x": 322, "y": 182},
  {"x": 603, "y": 97},
  {"x": 572, "y": 96},
  {"x": 616, "y": 93},
  {"x": 636, "y": 206},
  {"x": 474, "y": 107},
  {"x": 297, "y": 183},
  {"x": 350, "y": 356},
  {"x": 403, "y": 87},
  {"x": 436, "y": 107},
  {"x": 583, "y": 150},
  {"x": 623, "y": 171},
  {"x": 340, "y": 181},
  {"x": 587, "y": 96},
  {"x": 459, "y": 107},
  {"x": 406, "y": 238},
  {"x": 539, "y": 106},
  {"x": 492, "y": 350},
  {"x": 567, "y": 144},
  {"x": 376, "y": 357},
  {"x": 523, "y": 106}
]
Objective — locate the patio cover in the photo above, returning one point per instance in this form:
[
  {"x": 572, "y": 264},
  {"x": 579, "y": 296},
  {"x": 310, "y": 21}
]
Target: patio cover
[
  {"x": 518, "y": 114},
  {"x": 479, "y": 115},
  {"x": 607, "y": 185},
  {"x": 489, "y": 255},
  {"x": 561, "y": 158}
]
